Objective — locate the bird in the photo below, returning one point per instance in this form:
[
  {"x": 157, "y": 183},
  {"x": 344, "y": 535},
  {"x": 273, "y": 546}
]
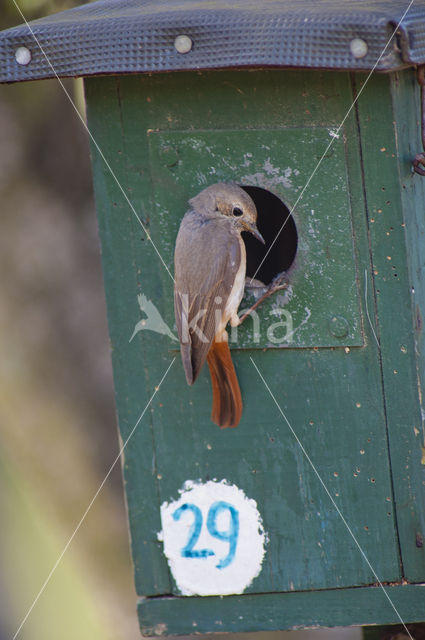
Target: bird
[{"x": 209, "y": 277}]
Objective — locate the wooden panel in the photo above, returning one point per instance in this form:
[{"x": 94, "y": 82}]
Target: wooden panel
[
  {"x": 341, "y": 607},
  {"x": 323, "y": 280},
  {"x": 396, "y": 223},
  {"x": 332, "y": 396},
  {"x": 122, "y": 242}
]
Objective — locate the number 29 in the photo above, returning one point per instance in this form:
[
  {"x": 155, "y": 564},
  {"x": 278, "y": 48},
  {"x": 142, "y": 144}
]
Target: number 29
[{"x": 230, "y": 535}]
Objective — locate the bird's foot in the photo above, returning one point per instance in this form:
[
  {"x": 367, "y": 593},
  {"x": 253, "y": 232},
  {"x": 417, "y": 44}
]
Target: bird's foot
[{"x": 279, "y": 282}]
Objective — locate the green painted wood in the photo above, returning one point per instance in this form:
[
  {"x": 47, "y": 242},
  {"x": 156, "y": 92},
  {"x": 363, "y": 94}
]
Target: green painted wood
[
  {"x": 396, "y": 204},
  {"x": 267, "y": 612},
  {"x": 405, "y": 93},
  {"x": 122, "y": 242},
  {"x": 333, "y": 396},
  {"x": 324, "y": 281}
]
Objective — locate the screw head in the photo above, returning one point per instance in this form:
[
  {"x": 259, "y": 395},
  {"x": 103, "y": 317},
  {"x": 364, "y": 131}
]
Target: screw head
[
  {"x": 23, "y": 56},
  {"x": 338, "y": 326},
  {"x": 183, "y": 44},
  {"x": 358, "y": 48}
]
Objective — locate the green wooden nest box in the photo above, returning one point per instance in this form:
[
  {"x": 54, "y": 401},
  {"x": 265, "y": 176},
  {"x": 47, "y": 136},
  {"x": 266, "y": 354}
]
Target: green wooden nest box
[{"x": 312, "y": 511}]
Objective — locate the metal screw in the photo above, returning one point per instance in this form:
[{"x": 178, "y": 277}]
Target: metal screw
[
  {"x": 358, "y": 47},
  {"x": 338, "y": 326},
  {"x": 183, "y": 44},
  {"x": 23, "y": 56}
]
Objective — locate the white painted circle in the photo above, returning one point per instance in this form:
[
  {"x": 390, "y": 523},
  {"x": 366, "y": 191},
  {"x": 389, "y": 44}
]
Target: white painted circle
[
  {"x": 183, "y": 44},
  {"x": 23, "y": 56},
  {"x": 213, "y": 538},
  {"x": 358, "y": 48}
]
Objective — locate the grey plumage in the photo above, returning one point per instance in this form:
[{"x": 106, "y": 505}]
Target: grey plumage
[{"x": 207, "y": 259}]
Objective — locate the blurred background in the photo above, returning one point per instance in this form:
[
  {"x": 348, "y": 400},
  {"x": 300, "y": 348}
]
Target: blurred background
[{"x": 58, "y": 434}]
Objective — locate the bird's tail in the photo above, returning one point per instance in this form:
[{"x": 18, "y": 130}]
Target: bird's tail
[{"x": 227, "y": 399}]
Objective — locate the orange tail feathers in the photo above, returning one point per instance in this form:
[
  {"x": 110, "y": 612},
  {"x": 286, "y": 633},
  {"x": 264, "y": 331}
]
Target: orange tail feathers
[{"x": 227, "y": 399}]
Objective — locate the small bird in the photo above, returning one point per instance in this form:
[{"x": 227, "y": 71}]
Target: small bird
[{"x": 210, "y": 265}]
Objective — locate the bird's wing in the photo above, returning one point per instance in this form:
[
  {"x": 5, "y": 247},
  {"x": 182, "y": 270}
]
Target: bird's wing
[{"x": 207, "y": 258}]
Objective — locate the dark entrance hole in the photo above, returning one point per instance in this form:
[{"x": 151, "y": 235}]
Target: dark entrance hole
[{"x": 272, "y": 214}]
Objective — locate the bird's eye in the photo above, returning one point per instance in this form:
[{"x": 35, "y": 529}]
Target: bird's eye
[{"x": 237, "y": 212}]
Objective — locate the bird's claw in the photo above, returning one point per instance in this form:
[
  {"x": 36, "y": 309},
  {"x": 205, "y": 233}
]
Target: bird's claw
[{"x": 279, "y": 282}]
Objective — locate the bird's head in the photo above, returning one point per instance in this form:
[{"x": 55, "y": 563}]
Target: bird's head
[{"x": 231, "y": 201}]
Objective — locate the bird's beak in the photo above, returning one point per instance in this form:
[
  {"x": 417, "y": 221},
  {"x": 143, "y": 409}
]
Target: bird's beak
[{"x": 252, "y": 228}]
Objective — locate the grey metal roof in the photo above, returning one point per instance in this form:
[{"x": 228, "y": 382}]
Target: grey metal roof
[{"x": 137, "y": 36}]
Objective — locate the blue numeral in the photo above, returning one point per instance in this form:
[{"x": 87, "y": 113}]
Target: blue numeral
[
  {"x": 194, "y": 533},
  {"x": 230, "y": 536}
]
